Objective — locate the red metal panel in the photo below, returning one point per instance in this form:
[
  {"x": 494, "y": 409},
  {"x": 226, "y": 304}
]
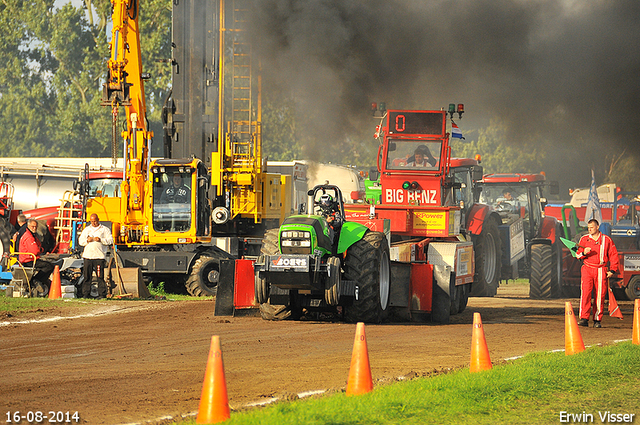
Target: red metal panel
[
  {"x": 421, "y": 287},
  {"x": 244, "y": 293},
  {"x": 399, "y": 219},
  {"x": 607, "y": 212}
]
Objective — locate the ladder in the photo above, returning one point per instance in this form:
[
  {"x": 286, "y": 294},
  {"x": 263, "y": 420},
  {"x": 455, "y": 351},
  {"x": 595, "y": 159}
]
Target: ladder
[
  {"x": 69, "y": 214},
  {"x": 244, "y": 119},
  {"x": 244, "y": 135}
]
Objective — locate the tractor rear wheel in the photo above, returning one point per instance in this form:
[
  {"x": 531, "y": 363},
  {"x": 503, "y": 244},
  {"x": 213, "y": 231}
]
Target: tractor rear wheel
[
  {"x": 543, "y": 282},
  {"x": 488, "y": 257},
  {"x": 367, "y": 263},
  {"x": 203, "y": 280},
  {"x": 633, "y": 289}
]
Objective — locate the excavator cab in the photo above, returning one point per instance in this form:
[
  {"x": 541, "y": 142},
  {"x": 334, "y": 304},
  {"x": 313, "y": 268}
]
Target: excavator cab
[{"x": 179, "y": 203}]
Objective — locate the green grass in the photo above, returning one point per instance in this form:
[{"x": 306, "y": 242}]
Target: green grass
[
  {"x": 530, "y": 390},
  {"x": 24, "y": 306},
  {"x": 21, "y": 305}
]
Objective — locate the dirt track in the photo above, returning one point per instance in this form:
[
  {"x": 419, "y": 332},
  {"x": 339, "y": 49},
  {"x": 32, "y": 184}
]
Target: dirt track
[{"x": 139, "y": 361}]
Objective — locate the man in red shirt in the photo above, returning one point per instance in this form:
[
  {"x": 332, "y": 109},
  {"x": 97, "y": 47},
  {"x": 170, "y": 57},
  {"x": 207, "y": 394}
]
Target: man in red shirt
[
  {"x": 600, "y": 262},
  {"x": 30, "y": 243}
]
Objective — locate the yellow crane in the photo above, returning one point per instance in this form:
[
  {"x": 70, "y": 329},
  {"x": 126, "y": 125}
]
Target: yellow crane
[{"x": 177, "y": 218}]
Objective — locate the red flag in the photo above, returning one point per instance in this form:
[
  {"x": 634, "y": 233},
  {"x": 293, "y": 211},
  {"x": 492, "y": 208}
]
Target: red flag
[{"x": 614, "y": 310}]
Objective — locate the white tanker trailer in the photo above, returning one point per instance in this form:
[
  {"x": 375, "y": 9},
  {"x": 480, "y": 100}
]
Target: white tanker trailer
[{"x": 41, "y": 182}]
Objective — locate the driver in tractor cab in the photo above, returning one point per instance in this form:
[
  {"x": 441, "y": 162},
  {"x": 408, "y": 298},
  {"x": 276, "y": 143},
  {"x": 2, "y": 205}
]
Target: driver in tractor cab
[
  {"x": 331, "y": 213},
  {"x": 422, "y": 158},
  {"x": 507, "y": 201}
]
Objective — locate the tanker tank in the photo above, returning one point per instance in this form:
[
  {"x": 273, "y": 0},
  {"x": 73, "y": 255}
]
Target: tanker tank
[{"x": 42, "y": 182}]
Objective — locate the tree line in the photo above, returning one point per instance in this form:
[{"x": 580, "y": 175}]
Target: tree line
[{"x": 54, "y": 65}]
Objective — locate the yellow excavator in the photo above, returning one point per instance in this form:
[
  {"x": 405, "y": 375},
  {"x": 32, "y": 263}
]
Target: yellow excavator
[{"x": 210, "y": 198}]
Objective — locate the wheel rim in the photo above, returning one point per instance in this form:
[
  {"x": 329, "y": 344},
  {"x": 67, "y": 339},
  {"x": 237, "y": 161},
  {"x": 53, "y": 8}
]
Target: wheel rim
[
  {"x": 210, "y": 275},
  {"x": 489, "y": 260},
  {"x": 635, "y": 286},
  {"x": 384, "y": 280}
]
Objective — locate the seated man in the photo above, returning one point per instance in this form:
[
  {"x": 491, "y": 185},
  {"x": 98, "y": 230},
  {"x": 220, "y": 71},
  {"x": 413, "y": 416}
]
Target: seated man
[
  {"x": 331, "y": 212},
  {"x": 20, "y": 227},
  {"x": 422, "y": 158},
  {"x": 507, "y": 202},
  {"x": 177, "y": 192},
  {"x": 29, "y": 243}
]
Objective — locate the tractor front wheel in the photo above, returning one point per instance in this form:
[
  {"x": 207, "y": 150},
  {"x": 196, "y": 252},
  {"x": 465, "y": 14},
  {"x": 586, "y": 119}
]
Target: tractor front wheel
[
  {"x": 270, "y": 311},
  {"x": 543, "y": 283},
  {"x": 633, "y": 289},
  {"x": 367, "y": 263},
  {"x": 331, "y": 289},
  {"x": 261, "y": 288},
  {"x": 488, "y": 257}
]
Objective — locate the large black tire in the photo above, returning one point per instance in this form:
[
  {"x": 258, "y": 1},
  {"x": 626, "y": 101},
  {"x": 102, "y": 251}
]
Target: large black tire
[
  {"x": 543, "y": 282},
  {"x": 633, "y": 289},
  {"x": 38, "y": 289},
  {"x": 367, "y": 262},
  {"x": 459, "y": 299},
  {"x": 464, "y": 297},
  {"x": 270, "y": 311},
  {"x": 203, "y": 279},
  {"x": 6, "y": 231},
  {"x": 331, "y": 295},
  {"x": 261, "y": 289},
  {"x": 488, "y": 255}
]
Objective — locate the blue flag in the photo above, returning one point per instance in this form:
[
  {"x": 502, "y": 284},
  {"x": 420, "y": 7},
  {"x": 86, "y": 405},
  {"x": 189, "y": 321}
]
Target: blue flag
[{"x": 593, "y": 203}]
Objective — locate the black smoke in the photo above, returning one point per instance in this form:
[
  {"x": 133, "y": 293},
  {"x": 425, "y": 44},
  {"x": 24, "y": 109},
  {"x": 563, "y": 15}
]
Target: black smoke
[{"x": 561, "y": 72}]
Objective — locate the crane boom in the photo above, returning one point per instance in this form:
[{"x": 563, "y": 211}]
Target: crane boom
[{"x": 125, "y": 87}]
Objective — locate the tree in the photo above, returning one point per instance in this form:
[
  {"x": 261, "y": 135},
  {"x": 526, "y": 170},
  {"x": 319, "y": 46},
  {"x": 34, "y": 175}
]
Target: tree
[
  {"x": 622, "y": 169},
  {"x": 498, "y": 154},
  {"x": 55, "y": 61}
]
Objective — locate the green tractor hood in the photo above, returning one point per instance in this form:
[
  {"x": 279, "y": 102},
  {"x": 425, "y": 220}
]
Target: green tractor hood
[{"x": 350, "y": 232}]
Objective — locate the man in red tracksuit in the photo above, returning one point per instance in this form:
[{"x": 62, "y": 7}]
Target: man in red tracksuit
[{"x": 597, "y": 252}]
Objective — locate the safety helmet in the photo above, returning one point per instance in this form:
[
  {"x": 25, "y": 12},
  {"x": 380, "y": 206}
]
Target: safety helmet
[{"x": 326, "y": 200}]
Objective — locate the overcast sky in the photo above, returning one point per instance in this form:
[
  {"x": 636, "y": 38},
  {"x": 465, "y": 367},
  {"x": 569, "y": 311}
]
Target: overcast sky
[{"x": 562, "y": 70}]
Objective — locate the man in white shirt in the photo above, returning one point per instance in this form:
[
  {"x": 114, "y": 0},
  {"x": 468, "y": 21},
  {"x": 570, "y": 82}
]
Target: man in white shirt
[{"x": 96, "y": 240}]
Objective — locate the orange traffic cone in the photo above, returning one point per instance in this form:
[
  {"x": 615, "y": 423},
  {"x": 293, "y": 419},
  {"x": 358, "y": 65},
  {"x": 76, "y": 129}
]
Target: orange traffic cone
[
  {"x": 214, "y": 402},
  {"x": 572, "y": 339},
  {"x": 480, "y": 359},
  {"x": 55, "y": 291},
  {"x": 359, "y": 381},
  {"x": 636, "y": 322}
]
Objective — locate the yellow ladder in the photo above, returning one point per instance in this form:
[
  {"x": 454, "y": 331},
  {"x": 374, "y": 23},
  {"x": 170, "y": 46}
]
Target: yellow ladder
[{"x": 244, "y": 134}]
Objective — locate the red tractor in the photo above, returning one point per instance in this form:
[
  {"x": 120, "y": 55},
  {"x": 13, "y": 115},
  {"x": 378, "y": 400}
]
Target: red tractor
[
  {"x": 531, "y": 245},
  {"x": 442, "y": 240}
]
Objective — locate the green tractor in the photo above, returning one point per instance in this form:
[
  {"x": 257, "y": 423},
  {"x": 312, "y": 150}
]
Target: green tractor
[{"x": 317, "y": 262}]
